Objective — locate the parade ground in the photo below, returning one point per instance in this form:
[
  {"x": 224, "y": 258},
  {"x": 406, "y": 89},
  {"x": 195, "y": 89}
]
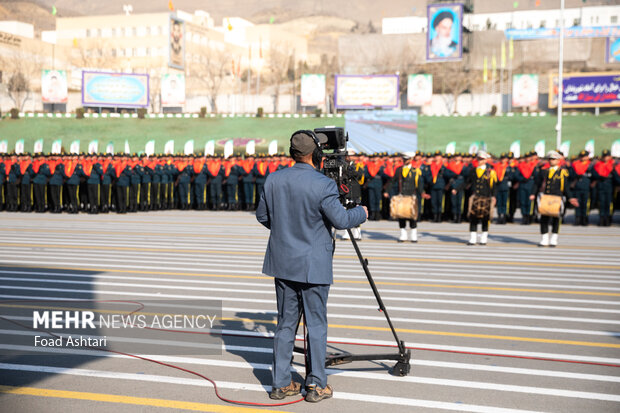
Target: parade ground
[{"x": 506, "y": 327}]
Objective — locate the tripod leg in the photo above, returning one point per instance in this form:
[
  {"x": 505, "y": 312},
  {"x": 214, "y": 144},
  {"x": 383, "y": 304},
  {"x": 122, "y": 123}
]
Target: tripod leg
[{"x": 364, "y": 262}]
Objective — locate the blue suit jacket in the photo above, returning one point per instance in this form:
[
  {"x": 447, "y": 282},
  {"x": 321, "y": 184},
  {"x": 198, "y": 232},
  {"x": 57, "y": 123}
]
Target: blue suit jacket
[{"x": 300, "y": 205}]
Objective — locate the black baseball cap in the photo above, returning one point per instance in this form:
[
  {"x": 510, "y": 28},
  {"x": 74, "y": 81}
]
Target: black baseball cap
[{"x": 303, "y": 143}]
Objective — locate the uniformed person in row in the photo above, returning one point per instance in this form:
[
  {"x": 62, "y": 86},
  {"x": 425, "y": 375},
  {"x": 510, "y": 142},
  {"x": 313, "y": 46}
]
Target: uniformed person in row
[
  {"x": 526, "y": 176},
  {"x": 260, "y": 175},
  {"x": 199, "y": 181},
  {"x": 505, "y": 175},
  {"x": 248, "y": 179},
  {"x": 55, "y": 184},
  {"x": 603, "y": 175},
  {"x": 438, "y": 177},
  {"x": 42, "y": 174},
  {"x": 374, "y": 184},
  {"x": 410, "y": 180},
  {"x": 25, "y": 176},
  {"x": 581, "y": 179},
  {"x": 94, "y": 174},
  {"x": 460, "y": 170},
  {"x": 3, "y": 175},
  {"x": 552, "y": 180},
  {"x": 390, "y": 181},
  {"x": 483, "y": 182},
  {"x": 75, "y": 173},
  {"x": 232, "y": 175}
]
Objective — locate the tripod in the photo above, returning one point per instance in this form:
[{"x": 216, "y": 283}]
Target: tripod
[{"x": 402, "y": 366}]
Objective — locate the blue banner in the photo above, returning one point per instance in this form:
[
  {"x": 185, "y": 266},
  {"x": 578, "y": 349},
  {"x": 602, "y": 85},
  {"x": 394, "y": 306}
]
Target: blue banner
[
  {"x": 587, "y": 90},
  {"x": 569, "y": 32},
  {"x": 115, "y": 89}
]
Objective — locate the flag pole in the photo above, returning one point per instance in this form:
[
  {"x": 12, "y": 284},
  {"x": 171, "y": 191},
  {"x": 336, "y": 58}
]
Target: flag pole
[{"x": 560, "y": 78}]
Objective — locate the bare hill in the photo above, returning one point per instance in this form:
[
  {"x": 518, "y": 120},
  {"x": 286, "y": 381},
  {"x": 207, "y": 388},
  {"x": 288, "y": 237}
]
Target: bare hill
[
  {"x": 257, "y": 11},
  {"x": 28, "y": 12}
]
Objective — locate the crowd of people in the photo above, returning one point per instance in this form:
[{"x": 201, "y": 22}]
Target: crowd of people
[{"x": 101, "y": 183}]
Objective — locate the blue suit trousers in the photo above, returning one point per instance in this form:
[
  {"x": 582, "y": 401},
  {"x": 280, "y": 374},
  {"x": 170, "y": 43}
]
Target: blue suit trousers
[{"x": 292, "y": 297}]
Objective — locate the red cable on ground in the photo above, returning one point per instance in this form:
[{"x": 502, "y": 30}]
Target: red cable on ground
[{"x": 240, "y": 335}]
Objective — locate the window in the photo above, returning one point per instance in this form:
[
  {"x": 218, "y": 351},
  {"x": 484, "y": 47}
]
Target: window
[
  {"x": 128, "y": 32},
  {"x": 155, "y": 31},
  {"x": 141, "y": 51},
  {"x": 129, "y": 52},
  {"x": 613, "y": 19},
  {"x": 120, "y": 52},
  {"x": 141, "y": 31},
  {"x": 543, "y": 23},
  {"x": 576, "y": 22},
  {"x": 508, "y": 25}
]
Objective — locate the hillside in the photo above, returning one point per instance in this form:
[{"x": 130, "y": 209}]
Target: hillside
[
  {"x": 261, "y": 11},
  {"x": 28, "y": 12}
]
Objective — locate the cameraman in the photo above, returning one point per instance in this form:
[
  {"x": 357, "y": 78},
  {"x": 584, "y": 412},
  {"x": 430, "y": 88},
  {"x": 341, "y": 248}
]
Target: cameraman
[{"x": 300, "y": 205}]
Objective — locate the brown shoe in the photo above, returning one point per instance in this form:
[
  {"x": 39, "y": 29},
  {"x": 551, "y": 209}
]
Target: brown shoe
[
  {"x": 290, "y": 390},
  {"x": 316, "y": 394}
]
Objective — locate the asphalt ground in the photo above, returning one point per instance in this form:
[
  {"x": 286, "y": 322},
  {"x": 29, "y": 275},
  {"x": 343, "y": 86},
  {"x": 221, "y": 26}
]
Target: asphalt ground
[{"x": 505, "y": 327}]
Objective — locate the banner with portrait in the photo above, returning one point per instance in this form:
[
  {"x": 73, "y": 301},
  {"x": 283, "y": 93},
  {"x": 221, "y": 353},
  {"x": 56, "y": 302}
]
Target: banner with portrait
[
  {"x": 312, "y": 90},
  {"x": 54, "y": 86},
  {"x": 444, "y": 37},
  {"x": 525, "y": 90},
  {"x": 613, "y": 50},
  {"x": 173, "y": 89},
  {"x": 419, "y": 90},
  {"x": 176, "y": 43}
]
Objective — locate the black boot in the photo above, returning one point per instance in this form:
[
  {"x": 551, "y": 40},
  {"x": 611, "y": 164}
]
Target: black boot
[
  {"x": 525, "y": 220},
  {"x": 585, "y": 221},
  {"x": 578, "y": 221},
  {"x": 608, "y": 221},
  {"x": 601, "y": 221},
  {"x": 458, "y": 218}
]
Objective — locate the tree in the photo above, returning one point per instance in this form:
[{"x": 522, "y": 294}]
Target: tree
[
  {"x": 401, "y": 58},
  {"x": 278, "y": 63},
  {"x": 21, "y": 67},
  {"x": 452, "y": 79},
  {"x": 155, "y": 89},
  {"x": 18, "y": 89},
  {"x": 94, "y": 55},
  {"x": 208, "y": 70}
]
